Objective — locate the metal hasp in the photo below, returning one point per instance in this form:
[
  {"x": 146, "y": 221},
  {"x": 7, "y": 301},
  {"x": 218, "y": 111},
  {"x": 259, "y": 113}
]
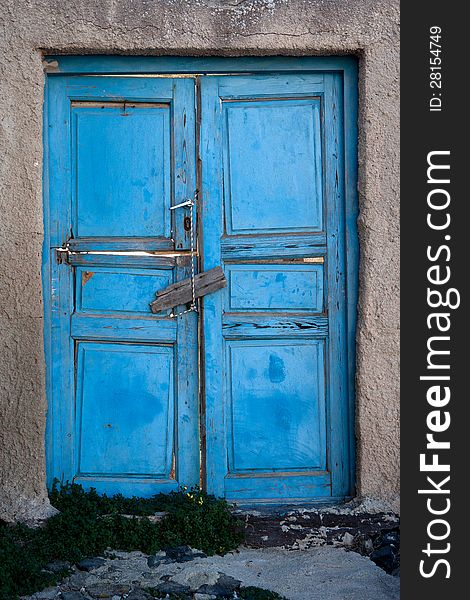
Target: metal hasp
[
  {"x": 189, "y": 225},
  {"x": 186, "y": 290}
]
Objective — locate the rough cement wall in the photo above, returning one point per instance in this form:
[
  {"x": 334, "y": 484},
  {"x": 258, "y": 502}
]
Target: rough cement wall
[{"x": 368, "y": 28}]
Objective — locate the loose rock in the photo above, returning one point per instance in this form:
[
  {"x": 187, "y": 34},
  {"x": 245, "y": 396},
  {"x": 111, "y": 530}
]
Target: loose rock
[
  {"x": 48, "y": 594},
  {"x": 224, "y": 587},
  {"x": 194, "y": 579},
  {"x": 172, "y": 587},
  {"x": 89, "y": 564},
  {"x": 107, "y": 590},
  {"x": 157, "y": 559},
  {"x": 56, "y": 566},
  {"x": 72, "y": 596},
  {"x": 183, "y": 554}
]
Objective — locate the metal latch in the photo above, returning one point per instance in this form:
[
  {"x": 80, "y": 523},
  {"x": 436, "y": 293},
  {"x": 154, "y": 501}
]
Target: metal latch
[
  {"x": 187, "y": 203},
  {"x": 189, "y": 224},
  {"x": 61, "y": 255}
]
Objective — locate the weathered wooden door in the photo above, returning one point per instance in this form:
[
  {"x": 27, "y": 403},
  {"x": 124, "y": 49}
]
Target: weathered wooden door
[
  {"x": 123, "y": 410},
  {"x": 253, "y": 396},
  {"x": 276, "y": 338}
]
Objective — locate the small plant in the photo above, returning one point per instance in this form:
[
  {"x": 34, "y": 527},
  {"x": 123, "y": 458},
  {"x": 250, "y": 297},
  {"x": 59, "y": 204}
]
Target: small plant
[{"x": 89, "y": 523}]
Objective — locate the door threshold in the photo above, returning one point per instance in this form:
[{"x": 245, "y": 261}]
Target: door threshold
[{"x": 271, "y": 506}]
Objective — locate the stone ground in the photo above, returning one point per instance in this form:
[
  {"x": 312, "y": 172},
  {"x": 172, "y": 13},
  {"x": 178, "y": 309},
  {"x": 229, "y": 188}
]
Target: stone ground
[{"x": 319, "y": 573}]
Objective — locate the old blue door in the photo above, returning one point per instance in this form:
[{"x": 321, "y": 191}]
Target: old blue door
[
  {"x": 123, "y": 409},
  {"x": 253, "y": 396},
  {"x": 276, "y": 353}
]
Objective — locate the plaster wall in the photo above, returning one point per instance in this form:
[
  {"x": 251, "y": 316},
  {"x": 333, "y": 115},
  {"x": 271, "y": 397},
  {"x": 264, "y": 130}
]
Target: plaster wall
[{"x": 367, "y": 28}]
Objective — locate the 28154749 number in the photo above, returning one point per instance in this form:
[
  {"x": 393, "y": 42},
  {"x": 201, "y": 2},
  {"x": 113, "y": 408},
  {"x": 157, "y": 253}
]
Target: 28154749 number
[{"x": 435, "y": 68}]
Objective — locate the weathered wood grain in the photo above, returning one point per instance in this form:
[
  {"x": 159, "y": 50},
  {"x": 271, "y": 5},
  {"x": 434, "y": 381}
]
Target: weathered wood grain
[
  {"x": 182, "y": 292},
  {"x": 98, "y": 320},
  {"x": 277, "y": 406}
]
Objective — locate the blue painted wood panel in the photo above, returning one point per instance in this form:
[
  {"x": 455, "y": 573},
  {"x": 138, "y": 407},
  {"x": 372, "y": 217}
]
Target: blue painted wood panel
[
  {"x": 276, "y": 406},
  {"x": 293, "y": 487},
  {"x": 122, "y": 162},
  {"x": 274, "y": 326},
  {"x": 123, "y": 387},
  {"x": 116, "y": 290},
  {"x": 125, "y": 409},
  {"x": 272, "y": 166},
  {"x": 275, "y": 153},
  {"x": 274, "y": 287},
  {"x": 272, "y": 246},
  {"x": 138, "y": 329},
  {"x": 306, "y": 68}
]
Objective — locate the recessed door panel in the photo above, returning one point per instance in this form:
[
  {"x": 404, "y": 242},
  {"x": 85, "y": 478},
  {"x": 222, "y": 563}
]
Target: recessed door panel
[
  {"x": 274, "y": 287},
  {"x": 125, "y": 411},
  {"x": 276, "y": 417},
  {"x": 122, "y": 155},
  {"x": 272, "y": 166},
  {"x": 116, "y": 290}
]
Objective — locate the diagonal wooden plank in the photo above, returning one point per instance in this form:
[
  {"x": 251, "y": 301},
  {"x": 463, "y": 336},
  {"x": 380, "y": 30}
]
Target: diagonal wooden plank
[{"x": 181, "y": 292}]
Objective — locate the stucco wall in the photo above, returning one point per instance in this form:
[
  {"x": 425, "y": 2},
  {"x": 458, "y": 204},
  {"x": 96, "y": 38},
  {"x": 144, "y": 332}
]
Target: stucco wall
[{"x": 368, "y": 28}]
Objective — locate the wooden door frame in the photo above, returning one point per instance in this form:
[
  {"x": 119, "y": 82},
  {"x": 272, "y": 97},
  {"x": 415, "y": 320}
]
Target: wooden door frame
[{"x": 345, "y": 66}]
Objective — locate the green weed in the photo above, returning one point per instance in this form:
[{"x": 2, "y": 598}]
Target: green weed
[{"x": 89, "y": 523}]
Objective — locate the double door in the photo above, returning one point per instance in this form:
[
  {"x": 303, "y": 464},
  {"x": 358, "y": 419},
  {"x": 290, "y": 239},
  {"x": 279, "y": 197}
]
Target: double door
[{"x": 249, "y": 396}]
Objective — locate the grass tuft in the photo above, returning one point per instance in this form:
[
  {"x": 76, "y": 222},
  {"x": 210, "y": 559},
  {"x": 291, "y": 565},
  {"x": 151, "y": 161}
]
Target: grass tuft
[{"x": 89, "y": 523}]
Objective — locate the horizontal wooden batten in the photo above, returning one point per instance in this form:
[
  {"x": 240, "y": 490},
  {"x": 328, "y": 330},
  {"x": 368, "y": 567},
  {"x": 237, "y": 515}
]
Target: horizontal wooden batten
[
  {"x": 277, "y": 486},
  {"x": 273, "y": 246},
  {"x": 316, "y": 472},
  {"x": 118, "y": 104},
  {"x": 238, "y": 325},
  {"x": 300, "y": 260},
  {"x": 137, "y": 260},
  {"x": 99, "y": 327},
  {"x": 257, "y": 87},
  {"x": 130, "y": 486},
  {"x": 119, "y": 476},
  {"x": 189, "y": 289},
  {"x": 267, "y": 98},
  {"x": 93, "y": 244}
]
